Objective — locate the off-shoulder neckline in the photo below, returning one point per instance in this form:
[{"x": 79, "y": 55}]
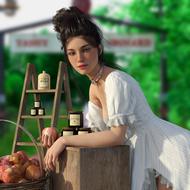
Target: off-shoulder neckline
[
  {"x": 94, "y": 105},
  {"x": 108, "y": 76}
]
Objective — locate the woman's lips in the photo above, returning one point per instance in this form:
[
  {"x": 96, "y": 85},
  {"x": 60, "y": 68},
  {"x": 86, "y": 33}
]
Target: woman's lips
[{"x": 83, "y": 66}]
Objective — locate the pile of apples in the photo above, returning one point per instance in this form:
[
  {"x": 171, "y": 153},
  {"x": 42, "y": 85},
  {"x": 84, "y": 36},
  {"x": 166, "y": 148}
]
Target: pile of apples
[{"x": 18, "y": 168}]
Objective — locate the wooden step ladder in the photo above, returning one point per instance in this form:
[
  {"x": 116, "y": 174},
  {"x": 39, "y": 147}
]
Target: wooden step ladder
[{"x": 62, "y": 86}]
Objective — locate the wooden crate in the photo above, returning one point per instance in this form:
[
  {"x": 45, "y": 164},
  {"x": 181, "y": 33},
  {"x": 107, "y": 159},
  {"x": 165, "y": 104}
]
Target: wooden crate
[{"x": 93, "y": 169}]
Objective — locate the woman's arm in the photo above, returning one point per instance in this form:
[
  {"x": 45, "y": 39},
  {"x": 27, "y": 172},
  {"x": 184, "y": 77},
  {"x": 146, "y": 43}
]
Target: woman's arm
[{"x": 112, "y": 137}]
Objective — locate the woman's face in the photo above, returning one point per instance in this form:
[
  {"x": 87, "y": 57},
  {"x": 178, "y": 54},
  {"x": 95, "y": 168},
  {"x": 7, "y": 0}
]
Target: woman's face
[{"x": 82, "y": 55}]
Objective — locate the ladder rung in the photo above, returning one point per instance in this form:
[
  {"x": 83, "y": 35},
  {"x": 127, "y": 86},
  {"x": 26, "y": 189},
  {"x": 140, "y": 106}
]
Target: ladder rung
[
  {"x": 36, "y": 117},
  {"x": 42, "y": 91},
  {"x": 63, "y": 116},
  {"x": 42, "y": 117},
  {"x": 27, "y": 144}
]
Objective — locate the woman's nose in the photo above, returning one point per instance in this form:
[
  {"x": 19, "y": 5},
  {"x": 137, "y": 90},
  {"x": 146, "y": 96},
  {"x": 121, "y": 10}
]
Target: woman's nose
[{"x": 80, "y": 56}]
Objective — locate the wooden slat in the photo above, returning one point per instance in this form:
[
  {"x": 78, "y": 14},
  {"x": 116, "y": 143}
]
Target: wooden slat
[
  {"x": 63, "y": 116},
  {"x": 57, "y": 97},
  {"x": 22, "y": 107},
  {"x": 42, "y": 116},
  {"x": 41, "y": 91},
  {"x": 36, "y": 117},
  {"x": 81, "y": 168},
  {"x": 67, "y": 89},
  {"x": 27, "y": 144}
]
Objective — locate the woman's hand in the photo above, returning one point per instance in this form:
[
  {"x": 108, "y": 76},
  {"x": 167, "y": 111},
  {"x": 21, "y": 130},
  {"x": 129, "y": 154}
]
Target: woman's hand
[
  {"x": 53, "y": 152},
  {"x": 49, "y": 136}
]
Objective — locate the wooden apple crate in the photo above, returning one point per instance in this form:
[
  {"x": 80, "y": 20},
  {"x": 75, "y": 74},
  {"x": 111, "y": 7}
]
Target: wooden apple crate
[{"x": 93, "y": 169}]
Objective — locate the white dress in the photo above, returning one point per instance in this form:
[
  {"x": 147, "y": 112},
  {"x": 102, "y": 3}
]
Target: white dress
[{"x": 157, "y": 145}]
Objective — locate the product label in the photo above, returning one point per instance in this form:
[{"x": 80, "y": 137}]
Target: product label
[
  {"x": 74, "y": 120},
  {"x": 41, "y": 112},
  {"x": 36, "y": 104},
  {"x": 82, "y": 132},
  {"x": 67, "y": 133},
  {"x": 43, "y": 83},
  {"x": 33, "y": 111}
]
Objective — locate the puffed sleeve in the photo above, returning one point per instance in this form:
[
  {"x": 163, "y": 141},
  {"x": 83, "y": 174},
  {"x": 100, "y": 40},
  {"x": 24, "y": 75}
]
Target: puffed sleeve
[
  {"x": 120, "y": 101},
  {"x": 94, "y": 118}
]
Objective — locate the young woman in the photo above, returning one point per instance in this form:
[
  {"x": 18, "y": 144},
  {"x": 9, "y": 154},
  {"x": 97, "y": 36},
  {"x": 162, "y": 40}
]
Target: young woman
[{"x": 119, "y": 113}]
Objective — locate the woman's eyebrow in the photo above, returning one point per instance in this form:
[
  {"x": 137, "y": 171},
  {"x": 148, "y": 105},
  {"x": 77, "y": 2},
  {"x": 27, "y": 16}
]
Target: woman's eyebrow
[
  {"x": 80, "y": 47},
  {"x": 85, "y": 45}
]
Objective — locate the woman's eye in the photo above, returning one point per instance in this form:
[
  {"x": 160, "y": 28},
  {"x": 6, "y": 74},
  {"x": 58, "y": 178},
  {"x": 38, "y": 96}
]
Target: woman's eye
[
  {"x": 70, "y": 53},
  {"x": 87, "y": 49}
]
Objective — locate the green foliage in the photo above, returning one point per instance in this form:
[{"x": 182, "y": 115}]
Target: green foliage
[
  {"x": 13, "y": 87},
  {"x": 146, "y": 67}
]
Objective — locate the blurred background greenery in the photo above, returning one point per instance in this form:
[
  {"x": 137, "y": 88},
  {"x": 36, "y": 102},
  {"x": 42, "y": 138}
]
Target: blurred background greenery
[{"x": 171, "y": 16}]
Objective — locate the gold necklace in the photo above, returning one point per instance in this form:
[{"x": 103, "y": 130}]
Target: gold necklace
[{"x": 98, "y": 76}]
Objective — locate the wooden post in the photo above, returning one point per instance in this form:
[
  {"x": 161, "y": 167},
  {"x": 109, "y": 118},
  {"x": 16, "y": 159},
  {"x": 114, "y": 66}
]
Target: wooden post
[{"x": 93, "y": 169}]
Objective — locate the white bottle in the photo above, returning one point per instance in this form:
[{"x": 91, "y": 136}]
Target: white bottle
[{"x": 43, "y": 81}]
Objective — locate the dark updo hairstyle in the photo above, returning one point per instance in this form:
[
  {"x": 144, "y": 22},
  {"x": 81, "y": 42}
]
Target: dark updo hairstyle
[{"x": 72, "y": 22}]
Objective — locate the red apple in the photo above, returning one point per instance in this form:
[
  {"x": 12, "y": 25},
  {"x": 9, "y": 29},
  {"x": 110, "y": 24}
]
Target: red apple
[
  {"x": 2, "y": 169},
  {"x": 18, "y": 169},
  {"x": 34, "y": 160},
  {"x": 33, "y": 172},
  {"x": 5, "y": 160},
  {"x": 14, "y": 158},
  {"x": 22, "y": 155},
  {"x": 18, "y": 157},
  {"x": 9, "y": 176},
  {"x": 26, "y": 164}
]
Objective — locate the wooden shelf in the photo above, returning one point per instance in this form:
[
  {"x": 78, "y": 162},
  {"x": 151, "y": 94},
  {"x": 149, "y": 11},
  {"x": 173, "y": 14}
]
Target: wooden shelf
[
  {"x": 42, "y": 117},
  {"x": 63, "y": 117},
  {"x": 42, "y": 91},
  {"x": 27, "y": 144},
  {"x": 36, "y": 117}
]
